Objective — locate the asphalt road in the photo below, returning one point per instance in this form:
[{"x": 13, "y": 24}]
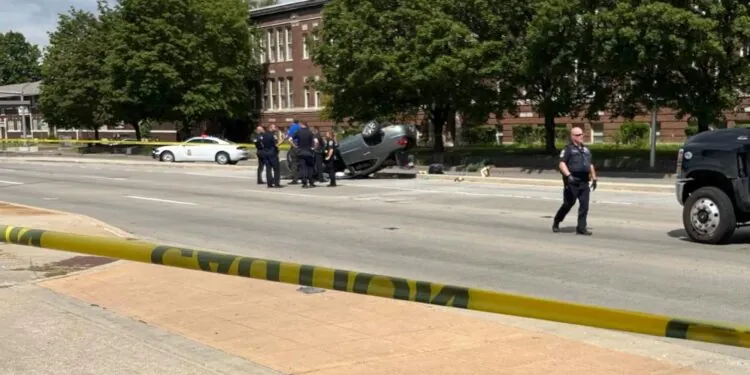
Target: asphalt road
[{"x": 489, "y": 236}]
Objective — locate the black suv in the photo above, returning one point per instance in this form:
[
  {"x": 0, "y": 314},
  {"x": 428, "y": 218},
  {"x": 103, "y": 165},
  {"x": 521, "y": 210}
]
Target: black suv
[{"x": 713, "y": 184}]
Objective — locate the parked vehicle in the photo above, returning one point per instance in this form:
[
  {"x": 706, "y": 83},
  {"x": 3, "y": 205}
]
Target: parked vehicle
[
  {"x": 713, "y": 184},
  {"x": 202, "y": 148}
]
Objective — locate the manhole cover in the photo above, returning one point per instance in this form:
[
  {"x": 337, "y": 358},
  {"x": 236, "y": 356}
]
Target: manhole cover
[{"x": 310, "y": 290}]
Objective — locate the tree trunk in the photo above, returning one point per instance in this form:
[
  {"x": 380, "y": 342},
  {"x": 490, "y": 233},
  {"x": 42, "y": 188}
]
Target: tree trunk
[
  {"x": 137, "y": 129},
  {"x": 450, "y": 122},
  {"x": 96, "y": 133},
  {"x": 703, "y": 123},
  {"x": 549, "y": 133},
  {"x": 439, "y": 117}
]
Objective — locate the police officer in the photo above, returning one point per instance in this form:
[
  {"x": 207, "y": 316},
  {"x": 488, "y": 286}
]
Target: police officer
[
  {"x": 319, "y": 156},
  {"x": 291, "y": 136},
  {"x": 330, "y": 157},
  {"x": 270, "y": 154},
  {"x": 306, "y": 144},
  {"x": 577, "y": 171},
  {"x": 257, "y": 141}
]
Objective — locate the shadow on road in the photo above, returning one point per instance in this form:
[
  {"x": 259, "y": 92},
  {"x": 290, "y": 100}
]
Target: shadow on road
[{"x": 740, "y": 237}]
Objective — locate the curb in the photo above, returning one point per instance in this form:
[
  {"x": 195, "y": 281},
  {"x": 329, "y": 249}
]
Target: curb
[{"x": 118, "y": 162}]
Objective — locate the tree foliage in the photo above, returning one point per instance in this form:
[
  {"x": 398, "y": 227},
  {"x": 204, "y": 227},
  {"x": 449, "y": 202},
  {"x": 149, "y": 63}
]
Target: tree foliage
[
  {"x": 566, "y": 58},
  {"x": 381, "y": 58},
  {"x": 19, "y": 59},
  {"x": 159, "y": 60},
  {"x": 74, "y": 78}
]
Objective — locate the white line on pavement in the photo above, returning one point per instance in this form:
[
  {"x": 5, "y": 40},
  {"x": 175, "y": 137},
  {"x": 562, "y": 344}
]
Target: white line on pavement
[
  {"x": 11, "y": 182},
  {"x": 160, "y": 200},
  {"x": 104, "y": 178}
]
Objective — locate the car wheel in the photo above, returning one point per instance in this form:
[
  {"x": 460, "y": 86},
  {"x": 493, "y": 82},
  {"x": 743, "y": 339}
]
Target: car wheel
[
  {"x": 166, "y": 156},
  {"x": 708, "y": 216},
  {"x": 222, "y": 158},
  {"x": 371, "y": 129}
]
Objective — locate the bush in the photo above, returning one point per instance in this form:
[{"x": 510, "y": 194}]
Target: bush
[
  {"x": 691, "y": 130},
  {"x": 479, "y": 135},
  {"x": 531, "y": 135},
  {"x": 634, "y": 133}
]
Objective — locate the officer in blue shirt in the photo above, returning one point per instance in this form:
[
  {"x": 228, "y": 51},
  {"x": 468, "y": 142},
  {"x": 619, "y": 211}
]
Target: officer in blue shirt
[
  {"x": 291, "y": 136},
  {"x": 258, "y": 147},
  {"x": 577, "y": 172}
]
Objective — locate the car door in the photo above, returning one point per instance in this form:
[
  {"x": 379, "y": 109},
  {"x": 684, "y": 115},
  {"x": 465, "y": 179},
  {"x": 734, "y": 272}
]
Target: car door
[
  {"x": 190, "y": 149},
  {"x": 207, "y": 150}
]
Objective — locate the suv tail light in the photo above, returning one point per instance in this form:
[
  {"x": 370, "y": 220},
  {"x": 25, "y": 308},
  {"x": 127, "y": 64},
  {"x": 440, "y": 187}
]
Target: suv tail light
[
  {"x": 403, "y": 141},
  {"x": 679, "y": 163}
]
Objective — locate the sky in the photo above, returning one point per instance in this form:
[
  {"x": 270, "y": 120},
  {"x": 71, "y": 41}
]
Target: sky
[{"x": 35, "y": 18}]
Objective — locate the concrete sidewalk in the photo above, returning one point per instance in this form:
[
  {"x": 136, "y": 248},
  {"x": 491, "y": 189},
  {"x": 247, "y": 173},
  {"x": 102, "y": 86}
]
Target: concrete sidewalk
[
  {"x": 134, "y": 318},
  {"x": 45, "y": 332}
]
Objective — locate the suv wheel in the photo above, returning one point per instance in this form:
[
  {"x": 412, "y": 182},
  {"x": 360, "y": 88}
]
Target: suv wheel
[{"x": 708, "y": 216}]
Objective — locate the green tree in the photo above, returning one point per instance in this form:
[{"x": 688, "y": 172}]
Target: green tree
[
  {"x": 711, "y": 84},
  {"x": 381, "y": 58},
  {"x": 74, "y": 80},
  {"x": 643, "y": 50},
  {"x": 182, "y": 61},
  {"x": 557, "y": 74},
  {"x": 19, "y": 59}
]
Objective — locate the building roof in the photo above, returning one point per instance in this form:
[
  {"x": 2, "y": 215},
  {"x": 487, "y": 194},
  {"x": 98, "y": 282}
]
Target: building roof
[
  {"x": 27, "y": 89},
  {"x": 285, "y": 7}
]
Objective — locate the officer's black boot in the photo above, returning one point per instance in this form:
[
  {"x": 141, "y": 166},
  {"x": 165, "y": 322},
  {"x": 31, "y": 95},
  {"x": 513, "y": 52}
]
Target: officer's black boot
[
  {"x": 584, "y": 232},
  {"x": 555, "y": 226}
]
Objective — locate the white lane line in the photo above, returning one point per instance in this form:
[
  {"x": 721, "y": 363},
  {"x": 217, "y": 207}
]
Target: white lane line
[
  {"x": 104, "y": 177},
  {"x": 160, "y": 200},
  {"x": 11, "y": 182}
]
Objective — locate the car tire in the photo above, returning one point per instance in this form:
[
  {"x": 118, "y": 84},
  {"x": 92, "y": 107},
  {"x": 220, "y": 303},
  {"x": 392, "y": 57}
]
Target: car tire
[
  {"x": 371, "y": 130},
  {"x": 708, "y": 216},
  {"x": 222, "y": 158},
  {"x": 166, "y": 156}
]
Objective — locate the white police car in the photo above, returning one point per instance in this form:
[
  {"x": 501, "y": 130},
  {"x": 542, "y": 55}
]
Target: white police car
[{"x": 202, "y": 148}]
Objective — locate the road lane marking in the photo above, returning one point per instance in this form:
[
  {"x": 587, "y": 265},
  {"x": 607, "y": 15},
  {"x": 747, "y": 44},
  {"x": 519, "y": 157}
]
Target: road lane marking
[
  {"x": 105, "y": 177},
  {"x": 160, "y": 200},
  {"x": 10, "y": 182}
]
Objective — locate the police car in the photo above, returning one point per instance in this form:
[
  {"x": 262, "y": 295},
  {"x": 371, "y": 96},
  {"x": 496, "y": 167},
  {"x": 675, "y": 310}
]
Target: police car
[{"x": 203, "y": 148}]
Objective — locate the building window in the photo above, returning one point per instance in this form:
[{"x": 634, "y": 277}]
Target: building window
[
  {"x": 290, "y": 92},
  {"x": 305, "y": 47},
  {"x": 317, "y": 94},
  {"x": 597, "y": 132},
  {"x": 263, "y": 50},
  {"x": 280, "y": 48},
  {"x": 282, "y": 94},
  {"x": 272, "y": 98},
  {"x": 306, "y": 93},
  {"x": 271, "y": 46},
  {"x": 266, "y": 95},
  {"x": 288, "y": 38}
]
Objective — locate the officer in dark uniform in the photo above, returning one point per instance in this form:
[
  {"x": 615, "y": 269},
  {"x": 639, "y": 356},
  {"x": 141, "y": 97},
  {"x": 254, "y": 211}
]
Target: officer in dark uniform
[
  {"x": 330, "y": 157},
  {"x": 257, "y": 141},
  {"x": 319, "y": 156},
  {"x": 306, "y": 144},
  {"x": 270, "y": 153},
  {"x": 577, "y": 170}
]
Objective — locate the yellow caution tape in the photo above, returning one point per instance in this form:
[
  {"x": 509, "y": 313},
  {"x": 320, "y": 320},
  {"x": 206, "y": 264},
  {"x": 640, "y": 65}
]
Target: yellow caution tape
[
  {"x": 107, "y": 142},
  {"x": 382, "y": 286}
]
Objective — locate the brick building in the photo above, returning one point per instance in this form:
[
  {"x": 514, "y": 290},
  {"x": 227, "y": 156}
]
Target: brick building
[{"x": 286, "y": 30}]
